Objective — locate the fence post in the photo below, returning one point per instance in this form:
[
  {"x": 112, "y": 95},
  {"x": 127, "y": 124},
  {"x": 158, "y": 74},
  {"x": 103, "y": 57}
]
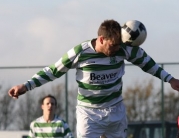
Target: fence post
[
  {"x": 66, "y": 96},
  {"x": 162, "y": 106}
]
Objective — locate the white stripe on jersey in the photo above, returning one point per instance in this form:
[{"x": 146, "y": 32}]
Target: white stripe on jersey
[{"x": 60, "y": 67}]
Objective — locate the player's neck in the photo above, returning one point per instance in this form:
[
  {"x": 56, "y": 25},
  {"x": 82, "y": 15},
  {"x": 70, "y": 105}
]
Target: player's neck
[
  {"x": 93, "y": 43},
  {"x": 48, "y": 118},
  {"x": 96, "y": 43}
]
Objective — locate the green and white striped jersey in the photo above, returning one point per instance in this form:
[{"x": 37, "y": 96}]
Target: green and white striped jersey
[
  {"x": 57, "y": 128},
  {"x": 99, "y": 77}
]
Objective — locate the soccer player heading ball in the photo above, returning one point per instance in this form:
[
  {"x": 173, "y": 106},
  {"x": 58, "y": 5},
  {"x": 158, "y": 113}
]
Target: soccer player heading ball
[{"x": 99, "y": 65}]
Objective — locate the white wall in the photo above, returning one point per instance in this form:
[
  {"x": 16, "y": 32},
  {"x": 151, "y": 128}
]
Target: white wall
[{"x": 13, "y": 134}]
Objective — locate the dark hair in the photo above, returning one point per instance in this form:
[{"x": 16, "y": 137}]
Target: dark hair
[
  {"x": 48, "y": 96},
  {"x": 110, "y": 29}
]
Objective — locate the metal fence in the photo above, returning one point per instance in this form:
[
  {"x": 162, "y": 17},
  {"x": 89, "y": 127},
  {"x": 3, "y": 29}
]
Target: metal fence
[{"x": 12, "y": 75}]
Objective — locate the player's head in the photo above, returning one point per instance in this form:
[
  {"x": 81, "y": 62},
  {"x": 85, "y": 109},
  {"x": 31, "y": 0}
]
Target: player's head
[
  {"x": 110, "y": 29},
  {"x": 109, "y": 35},
  {"x": 49, "y": 96},
  {"x": 49, "y": 104}
]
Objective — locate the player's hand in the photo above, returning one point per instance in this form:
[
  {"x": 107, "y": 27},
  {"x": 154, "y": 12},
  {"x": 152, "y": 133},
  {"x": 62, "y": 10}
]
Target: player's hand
[
  {"x": 174, "y": 84},
  {"x": 16, "y": 91}
]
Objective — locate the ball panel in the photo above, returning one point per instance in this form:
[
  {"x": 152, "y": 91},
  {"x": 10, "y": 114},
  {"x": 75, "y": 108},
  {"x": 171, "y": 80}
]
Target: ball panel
[{"x": 134, "y": 33}]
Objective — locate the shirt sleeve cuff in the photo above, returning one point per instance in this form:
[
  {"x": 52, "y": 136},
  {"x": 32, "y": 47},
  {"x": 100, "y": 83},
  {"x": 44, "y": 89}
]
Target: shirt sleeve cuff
[
  {"x": 27, "y": 85},
  {"x": 169, "y": 78}
]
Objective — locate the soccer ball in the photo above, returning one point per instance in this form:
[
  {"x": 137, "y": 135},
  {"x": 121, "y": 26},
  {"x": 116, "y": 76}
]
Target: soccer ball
[{"x": 134, "y": 33}]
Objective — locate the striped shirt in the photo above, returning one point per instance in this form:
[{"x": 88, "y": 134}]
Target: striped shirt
[
  {"x": 99, "y": 77},
  {"x": 57, "y": 128}
]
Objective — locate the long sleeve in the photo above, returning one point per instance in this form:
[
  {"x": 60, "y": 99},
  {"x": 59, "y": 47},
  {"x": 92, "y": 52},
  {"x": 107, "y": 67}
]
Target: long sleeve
[
  {"x": 67, "y": 132},
  {"x": 139, "y": 57},
  {"x": 31, "y": 133},
  {"x": 56, "y": 70}
]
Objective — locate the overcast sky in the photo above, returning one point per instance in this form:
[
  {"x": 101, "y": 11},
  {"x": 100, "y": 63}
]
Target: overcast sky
[{"x": 39, "y": 32}]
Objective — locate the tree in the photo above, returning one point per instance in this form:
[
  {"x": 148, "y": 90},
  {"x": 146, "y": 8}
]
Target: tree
[
  {"x": 171, "y": 106},
  {"x": 28, "y": 109},
  {"x": 143, "y": 103},
  {"x": 7, "y": 108},
  {"x": 139, "y": 101},
  {"x": 142, "y": 100},
  {"x": 72, "y": 109}
]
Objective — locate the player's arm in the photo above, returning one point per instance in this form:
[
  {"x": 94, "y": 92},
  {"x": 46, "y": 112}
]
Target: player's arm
[
  {"x": 31, "y": 133},
  {"x": 139, "y": 57},
  {"x": 54, "y": 71},
  {"x": 49, "y": 73},
  {"x": 68, "y": 132},
  {"x": 16, "y": 91}
]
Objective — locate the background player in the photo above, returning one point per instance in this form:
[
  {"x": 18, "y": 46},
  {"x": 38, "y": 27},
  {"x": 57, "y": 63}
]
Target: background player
[{"x": 49, "y": 124}]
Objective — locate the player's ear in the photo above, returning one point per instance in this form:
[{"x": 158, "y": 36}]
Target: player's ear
[
  {"x": 42, "y": 106},
  {"x": 101, "y": 38}
]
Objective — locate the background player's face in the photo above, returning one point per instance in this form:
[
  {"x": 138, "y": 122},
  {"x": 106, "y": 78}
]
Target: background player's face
[
  {"x": 109, "y": 48},
  {"x": 49, "y": 106}
]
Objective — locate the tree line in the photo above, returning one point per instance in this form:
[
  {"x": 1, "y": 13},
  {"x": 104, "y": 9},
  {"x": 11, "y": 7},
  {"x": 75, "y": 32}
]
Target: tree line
[{"x": 143, "y": 103}]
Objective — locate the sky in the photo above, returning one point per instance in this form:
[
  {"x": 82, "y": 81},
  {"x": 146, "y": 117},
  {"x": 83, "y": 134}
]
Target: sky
[{"x": 39, "y": 32}]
